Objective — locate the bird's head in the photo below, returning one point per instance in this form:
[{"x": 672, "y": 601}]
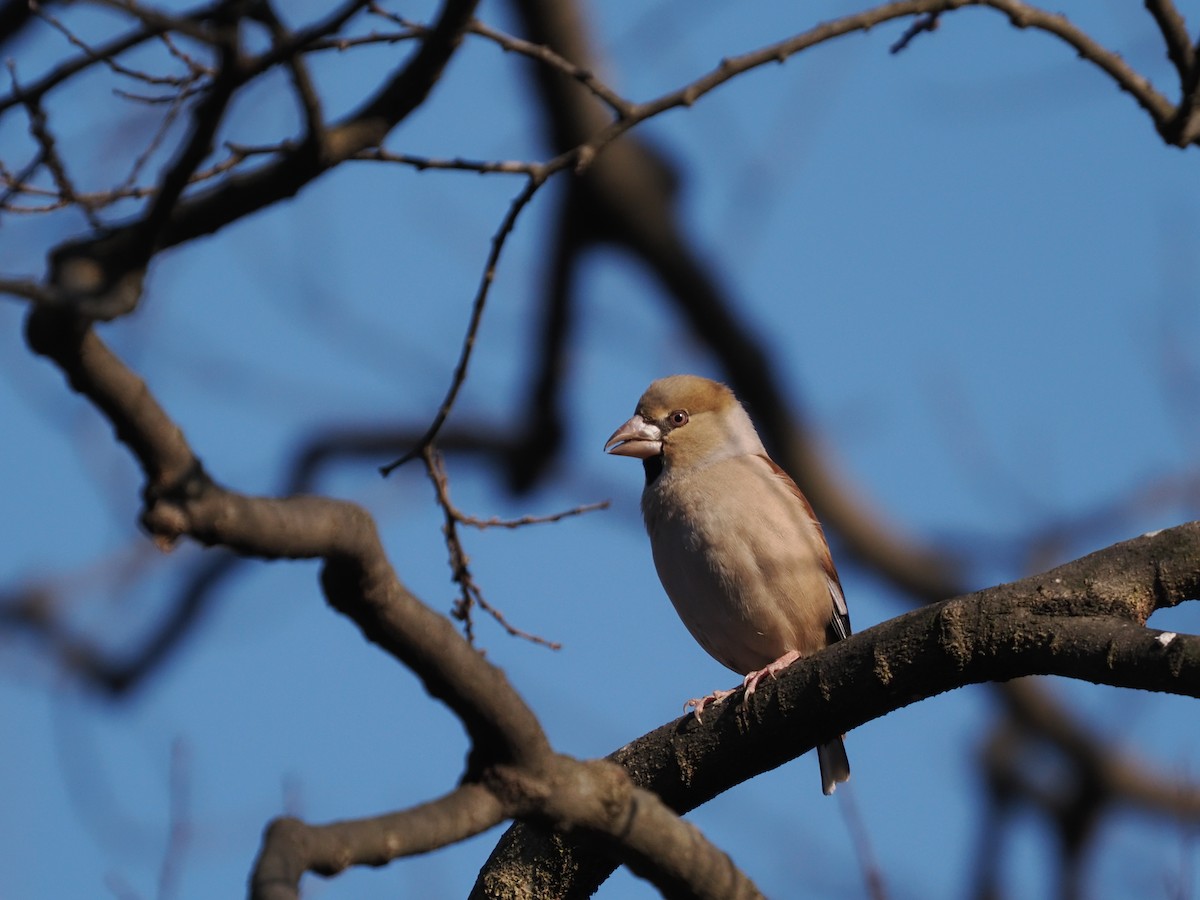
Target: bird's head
[{"x": 684, "y": 421}]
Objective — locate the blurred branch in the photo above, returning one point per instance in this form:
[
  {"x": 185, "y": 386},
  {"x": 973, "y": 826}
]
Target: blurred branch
[
  {"x": 33, "y": 611},
  {"x": 14, "y": 16},
  {"x": 27, "y": 289},
  {"x": 302, "y": 84},
  {"x": 575, "y": 229},
  {"x": 181, "y": 499},
  {"x": 104, "y": 54},
  {"x": 1108, "y": 776},
  {"x": 181, "y": 827},
  {"x": 49, "y": 156},
  {"x": 1097, "y": 781},
  {"x": 921, "y": 24},
  {"x": 871, "y": 870},
  {"x": 104, "y": 273},
  {"x": 1175, "y": 36},
  {"x": 1056, "y": 536}
]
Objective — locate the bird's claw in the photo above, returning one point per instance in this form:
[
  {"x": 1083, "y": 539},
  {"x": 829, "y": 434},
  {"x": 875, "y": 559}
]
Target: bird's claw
[
  {"x": 750, "y": 682},
  {"x": 699, "y": 704}
]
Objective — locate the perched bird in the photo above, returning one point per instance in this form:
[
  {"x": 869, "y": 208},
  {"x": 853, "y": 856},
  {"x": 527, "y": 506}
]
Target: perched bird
[{"x": 736, "y": 545}]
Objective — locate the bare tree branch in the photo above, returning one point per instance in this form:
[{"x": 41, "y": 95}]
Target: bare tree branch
[
  {"x": 290, "y": 847},
  {"x": 1086, "y": 620},
  {"x": 1175, "y": 36},
  {"x": 113, "y": 264},
  {"x": 510, "y": 755},
  {"x": 103, "y": 54},
  {"x": 1082, "y": 620}
]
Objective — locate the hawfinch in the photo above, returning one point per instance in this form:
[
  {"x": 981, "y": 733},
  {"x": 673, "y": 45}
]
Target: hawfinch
[{"x": 736, "y": 545}]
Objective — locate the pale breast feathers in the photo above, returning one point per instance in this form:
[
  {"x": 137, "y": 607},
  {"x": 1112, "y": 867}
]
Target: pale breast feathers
[{"x": 745, "y": 567}]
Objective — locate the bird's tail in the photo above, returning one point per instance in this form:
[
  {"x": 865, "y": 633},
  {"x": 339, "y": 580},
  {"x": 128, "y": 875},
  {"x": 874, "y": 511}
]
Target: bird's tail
[{"x": 835, "y": 766}]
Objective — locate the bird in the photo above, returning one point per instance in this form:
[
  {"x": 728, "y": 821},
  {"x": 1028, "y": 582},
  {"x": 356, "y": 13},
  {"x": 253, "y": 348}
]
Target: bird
[{"x": 737, "y": 546}]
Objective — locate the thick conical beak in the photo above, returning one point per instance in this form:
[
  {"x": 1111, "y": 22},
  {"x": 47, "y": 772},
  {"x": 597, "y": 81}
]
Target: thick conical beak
[{"x": 637, "y": 438}]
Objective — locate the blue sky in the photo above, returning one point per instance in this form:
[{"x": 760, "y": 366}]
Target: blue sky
[{"x": 972, "y": 265}]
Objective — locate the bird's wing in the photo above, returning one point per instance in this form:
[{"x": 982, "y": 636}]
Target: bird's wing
[{"x": 839, "y": 620}]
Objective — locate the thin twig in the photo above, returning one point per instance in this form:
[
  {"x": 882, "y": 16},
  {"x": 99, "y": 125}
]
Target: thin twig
[
  {"x": 110, "y": 60},
  {"x": 536, "y": 180},
  {"x": 927, "y": 22},
  {"x": 39, "y": 128},
  {"x": 1021, "y": 15},
  {"x": 207, "y": 116},
  {"x": 67, "y": 70},
  {"x": 543, "y": 54},
  {"x": 16, "y": 185},
  {"x": 483, "y": 524},
  {"x": 375, "y": 37},
  {"x": 195, "y": 26},
  {"x": 470, "y": 594},
  {"x": 539, "y": 52},
  {"x": 305, "y": 39},
  {"x": 179, "y": 835},
  {"x": 172, "y": 99},
  {"x": 195, "y": 66},
  {"x": 421, "y": 163},
  {"x": 861, "y": 838},
  {"x": 176, "y": 106}
]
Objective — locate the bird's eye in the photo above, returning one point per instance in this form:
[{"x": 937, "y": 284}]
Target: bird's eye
[{"x": 679, "y": 417}]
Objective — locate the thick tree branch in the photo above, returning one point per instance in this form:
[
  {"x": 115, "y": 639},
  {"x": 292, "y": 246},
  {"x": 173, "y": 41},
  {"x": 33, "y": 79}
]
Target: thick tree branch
[
  {"x": 594, "y": 800},
  {"x": 1083, "y": 620},
  {"x": 510, "y": 755},
  {"x": 180, "y": 499},
  {"x": 624, "y": 193},
  {"x": 120, "y": 673},
  {"x": 291, "y": 848}
]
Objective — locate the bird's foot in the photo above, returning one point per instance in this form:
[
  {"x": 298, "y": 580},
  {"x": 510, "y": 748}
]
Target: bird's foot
[
  {"x": 750, "y": 683},
  {"x": 699, "y": 704}
]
